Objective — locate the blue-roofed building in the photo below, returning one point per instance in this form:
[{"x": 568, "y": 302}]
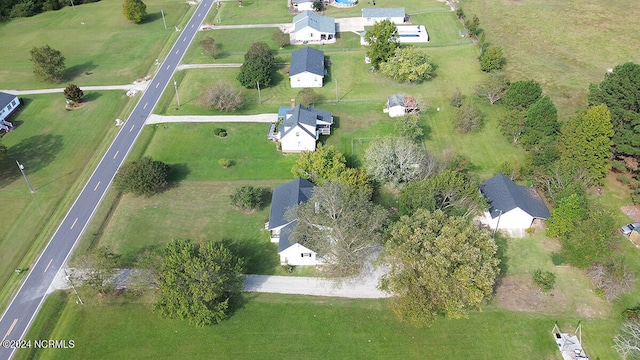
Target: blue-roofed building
[
  {"x": 307, "y": 68},
  {"x": 286, "y": 197},
  {"x": 370, "y": 16},
  {"x": 512, "y": 207},
  {"x": 300, "y": 128},
  {"x": 309, "y": 27}
]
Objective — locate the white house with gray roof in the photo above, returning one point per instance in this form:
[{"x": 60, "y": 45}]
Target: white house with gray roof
[
  {"x": 370, "y": 16},
  {"x": 301, "y": 5},
  {"x": 300, "y": 128},
  {"x": 513, "y": 207},
  {"x": 286, "y": 197},
  {"x": 8, "y": 104},
  {"x": 309, "y": 27},
  {"x": 307, "y": 68}
]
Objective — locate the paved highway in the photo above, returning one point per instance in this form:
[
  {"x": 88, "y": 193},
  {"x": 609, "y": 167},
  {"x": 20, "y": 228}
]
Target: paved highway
[{"x": 27, "y": 301}]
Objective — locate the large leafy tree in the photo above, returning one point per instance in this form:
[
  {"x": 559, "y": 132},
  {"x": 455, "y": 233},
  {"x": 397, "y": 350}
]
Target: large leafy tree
[
  {"x": 620, "y": 91},
  {"x": 440, "y": 265},
  {"x": 408, "y": 64},
  {"x": 492, "y": 59},
  {"x": 468, "y": 117},
  {"x": 257, "y": 67},
  {"x": 397, "y": 160},
  {"x": 342, "y": 225},
  {"x": 493, "y": 87},
  {"x": 586, "y": 141},
  {"x": 198, "y": 283},
  {"x": 48, "y": 63},
  {"x": 383, "y": 41},
  {"x": 512, "y": 124},
  {"x": 134, "y": 10},
  {"x": 222, "y": 96},
  {"x": 209, "y": 47},
  {"x": 541, "y": 126},
  {"x": 142, "y": 177},
  {"x": 248, "y": 197},
  {"x": 98, "y": 270},
  {"x": 321, "y": 165},
  {"x": 450, "y": 191},
  {"x": 590, "y": 242},
  {"x": 522, "y": 94},
  {"x": 569, "y": 213}
]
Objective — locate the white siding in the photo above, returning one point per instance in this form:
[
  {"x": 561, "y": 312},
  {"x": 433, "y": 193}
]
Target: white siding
[
  {"x": 298, "y": 140},
  {"x": 310, "y": 34},
  {"x": 299, "y": 255},
  {"x": 304, "y": 6},
  {"x": 397, "y": 111},
  {"x": 306, "y": 80},
  {"x": 515, "y": 219},
  {"x": 370, "y": 21}
]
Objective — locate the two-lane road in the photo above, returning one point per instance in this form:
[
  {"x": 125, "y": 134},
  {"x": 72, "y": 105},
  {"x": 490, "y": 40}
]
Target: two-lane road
[{"x": 27, "y": 301}]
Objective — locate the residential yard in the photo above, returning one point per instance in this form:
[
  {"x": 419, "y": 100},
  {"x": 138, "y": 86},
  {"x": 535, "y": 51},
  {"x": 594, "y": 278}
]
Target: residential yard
[
  {"x": 95, "y": 38},
  {"x": 59, "y": 149}
]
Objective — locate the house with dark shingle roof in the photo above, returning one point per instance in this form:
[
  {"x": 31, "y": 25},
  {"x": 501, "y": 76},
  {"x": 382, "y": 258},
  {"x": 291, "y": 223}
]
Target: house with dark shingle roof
[
  {"x": 301, "y": 127},
  {"x": 8, "y": 104},
  {"x": 286, "y": 197},
  {"x": 512, "y": 207},
  {"x": 370, "y": 16},
  {"x": 307, "y": 68},
  {"x": 309, "y": 27}
]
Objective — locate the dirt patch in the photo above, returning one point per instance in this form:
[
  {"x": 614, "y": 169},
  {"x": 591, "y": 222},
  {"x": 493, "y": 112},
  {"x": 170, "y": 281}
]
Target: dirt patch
[
  {"x": 519, "y": 293},
  {"x": 633, "y": 212}
]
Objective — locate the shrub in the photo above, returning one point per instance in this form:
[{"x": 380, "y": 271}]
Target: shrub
[
  {"x": 225, "y": 163},
  {"x": 248, "y": 197},
  {"x": 457, "y": 98},
  {"x": 220, "y": 132},
  {"x": 544, "y": 279},
  {"x": 468, "y": 118},
  {"x": 142, "y": 177},
  {"x": 222, "y": 96},
  {"x": 557, "y": 259}
]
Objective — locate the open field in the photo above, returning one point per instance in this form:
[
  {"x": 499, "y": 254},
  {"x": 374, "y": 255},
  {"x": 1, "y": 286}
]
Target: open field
[
  {"x": 94, "y": 38},
  {"x": 575, "y": 42},
  {"x": 58, "y": 149}
]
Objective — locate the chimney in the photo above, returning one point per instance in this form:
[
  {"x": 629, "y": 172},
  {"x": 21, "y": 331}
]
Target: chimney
[{"x": 293, "y": 103}]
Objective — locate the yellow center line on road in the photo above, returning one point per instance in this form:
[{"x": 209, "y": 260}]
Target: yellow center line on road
[
  {"x": 49, "y": 264},
  {"x": 10, "y": 329}
]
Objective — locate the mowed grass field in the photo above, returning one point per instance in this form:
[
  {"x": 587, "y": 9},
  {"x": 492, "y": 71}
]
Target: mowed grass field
[
  {"x": 94, "y": 38},
  {"x": 563, "y": 45},
  {"x": 58, "y": 149}
]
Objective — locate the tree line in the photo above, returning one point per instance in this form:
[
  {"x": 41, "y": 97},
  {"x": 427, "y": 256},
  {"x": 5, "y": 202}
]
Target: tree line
[{"x": 10, "y": 9}]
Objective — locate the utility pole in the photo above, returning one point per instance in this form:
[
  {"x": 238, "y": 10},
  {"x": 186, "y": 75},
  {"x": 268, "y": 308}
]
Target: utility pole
[
  {"x": 259, "y": 97},
  {"x": 73, "y": 287},
  {"x": 21, "y": 167},
  {"x": 497, "y": 224},
  {"x": 175, "y": 86},
  {"x": 73, "y": 5},
  {"x": 163, "y": 20}
]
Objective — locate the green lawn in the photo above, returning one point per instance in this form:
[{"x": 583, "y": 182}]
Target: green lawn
[
  {"x": 58, "y": 149},
  {"x": 94, "y": 38},
  {"x": 293, "y": 327}
]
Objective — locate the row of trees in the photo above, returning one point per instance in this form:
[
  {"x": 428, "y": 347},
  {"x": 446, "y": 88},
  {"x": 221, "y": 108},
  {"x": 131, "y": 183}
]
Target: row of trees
[
  {"x": 24, "y": 8},
  {"x": 491, "y": 57}
]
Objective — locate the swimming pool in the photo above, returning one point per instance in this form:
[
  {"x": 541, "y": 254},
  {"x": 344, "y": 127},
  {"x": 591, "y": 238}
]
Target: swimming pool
[{"x": 345, "y": 3}]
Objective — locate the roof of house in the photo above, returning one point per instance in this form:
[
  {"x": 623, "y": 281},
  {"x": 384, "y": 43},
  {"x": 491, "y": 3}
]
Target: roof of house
[
  {"x": 304, "y": 115},
  {"x": 5, "y": 99},
  {"x": 395, "y": 100},
  {"x": 287, "y": 196},
  {"x": 383, "y": 12},
  {"x": 307, "y": 60},
  {"x": 504, "y": 195},
  {"x": 323, "y": 24}
]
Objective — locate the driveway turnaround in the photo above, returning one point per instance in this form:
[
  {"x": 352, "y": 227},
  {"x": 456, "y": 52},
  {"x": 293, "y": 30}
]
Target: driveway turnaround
[{"x": 27, "y": 301}]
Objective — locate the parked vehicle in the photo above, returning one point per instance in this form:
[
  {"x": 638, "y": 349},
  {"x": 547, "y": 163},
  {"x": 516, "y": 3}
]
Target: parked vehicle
[{"x": 627, "y": 229}]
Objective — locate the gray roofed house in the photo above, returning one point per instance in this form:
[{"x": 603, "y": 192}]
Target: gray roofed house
[
  {"x": 286, "y": 197},
  {"x": 395, "y": 105},
  {"x": 307, "y": 60},
  {"x": 512, "y": 206},
  {"x": 8, "y": 104},
  {"x": 371, "y": 16},
  {"x": 311, "y": 27},
  {"x": 301, "y": 127}
]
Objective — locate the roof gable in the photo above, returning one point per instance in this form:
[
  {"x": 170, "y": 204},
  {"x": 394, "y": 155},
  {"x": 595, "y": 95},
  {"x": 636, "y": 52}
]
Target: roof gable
[
  {"x": 319, "y": 23},
  {"x": 307, "y": 60},
  {"x": 383, "y": 12},
  {"x": 5, "y": 99},
  {"x": 287, "y": 196},
  {"x": 305, "y": 115},
  {"x": 504, "y": 195},
  {"x": 395, "y": 100}
]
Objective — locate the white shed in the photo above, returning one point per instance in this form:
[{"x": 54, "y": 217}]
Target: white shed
[{"x": 370, "y": 16}]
